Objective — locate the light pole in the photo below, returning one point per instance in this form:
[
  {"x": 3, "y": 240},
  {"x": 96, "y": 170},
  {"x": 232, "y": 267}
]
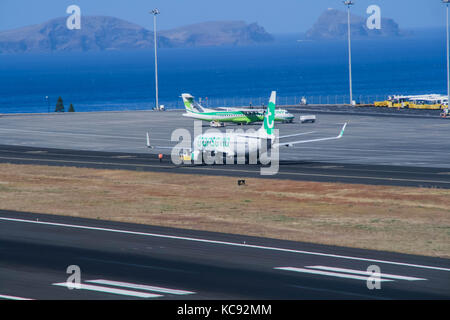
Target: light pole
[
  {"x": 155, "y": 12},
  {"x": 349, "y": 3},
  {"x": 48, "y": 104},
  {"x": 446, "y": 2}
]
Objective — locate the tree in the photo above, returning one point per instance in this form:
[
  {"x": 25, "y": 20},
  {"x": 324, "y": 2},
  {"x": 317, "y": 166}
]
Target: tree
[
  {"x": 71, "y": 108},
  {"x": 59, "y": 105}
]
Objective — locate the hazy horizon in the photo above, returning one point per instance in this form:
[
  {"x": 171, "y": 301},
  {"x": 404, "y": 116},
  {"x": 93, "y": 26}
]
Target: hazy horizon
[
  {"x": 276, "y": 34},
  {"x": 288, "y": 16}
]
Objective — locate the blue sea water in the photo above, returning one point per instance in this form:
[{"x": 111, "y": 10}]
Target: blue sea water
[{"x": 226, "y": 75}]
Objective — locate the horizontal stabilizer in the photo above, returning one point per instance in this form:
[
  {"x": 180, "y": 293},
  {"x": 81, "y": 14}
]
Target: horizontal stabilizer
[{"x": 164, "y": 147}]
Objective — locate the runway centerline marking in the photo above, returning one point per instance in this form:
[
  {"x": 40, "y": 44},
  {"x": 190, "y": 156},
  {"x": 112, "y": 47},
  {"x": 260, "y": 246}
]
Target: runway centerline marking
[
  {"x": 333, "y": 176},
  {"x": 145, "y": 156},
  {"x": 228, "y": 170},
  {"x": 141, "y": 156},
  {"x": 71, "y": 133},
  {"x": 137, "y": 156},
  {"x": 79, "y": 134},
  {"x": 234, "y": 244}
]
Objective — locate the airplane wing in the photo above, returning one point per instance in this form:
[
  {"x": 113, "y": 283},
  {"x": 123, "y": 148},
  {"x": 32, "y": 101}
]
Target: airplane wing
[
  {"x": 248, "y": 136},
  {"x": 292, "y": 143}
]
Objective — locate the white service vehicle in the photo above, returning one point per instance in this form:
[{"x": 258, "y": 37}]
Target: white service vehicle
[{"x": 308, "y": 118}]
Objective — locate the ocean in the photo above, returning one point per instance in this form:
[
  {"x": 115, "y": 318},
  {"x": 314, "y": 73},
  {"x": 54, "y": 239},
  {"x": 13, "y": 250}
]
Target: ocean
[{"x": 225, "y": 76}]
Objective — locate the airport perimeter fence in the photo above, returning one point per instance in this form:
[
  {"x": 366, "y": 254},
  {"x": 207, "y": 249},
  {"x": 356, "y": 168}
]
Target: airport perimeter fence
[
  {"x": 256, "y": 102},
  {"x": 281, "y": 101}
]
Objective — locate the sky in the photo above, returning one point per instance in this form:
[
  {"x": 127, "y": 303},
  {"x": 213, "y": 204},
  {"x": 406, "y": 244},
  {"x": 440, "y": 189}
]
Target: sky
[{"x": 280, "y": 16}]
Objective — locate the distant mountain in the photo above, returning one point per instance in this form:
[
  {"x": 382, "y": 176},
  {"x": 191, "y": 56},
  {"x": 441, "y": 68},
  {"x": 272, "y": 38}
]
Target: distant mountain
[
  {"x": 96, "y": 34},
  {"x": 216, "y": 33},
  {"x": 332, "y": 24},
  {"x": 99, "y": 33}
]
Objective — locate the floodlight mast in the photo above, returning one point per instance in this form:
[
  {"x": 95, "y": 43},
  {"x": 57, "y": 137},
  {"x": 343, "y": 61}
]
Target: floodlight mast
[
  {"x": 349, "y": 3},
  {"x": 155, "y": 12},
  {"x": 447, "y": 2}
]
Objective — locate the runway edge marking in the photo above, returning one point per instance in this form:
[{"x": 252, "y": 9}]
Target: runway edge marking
[
  {"x": 224, "y": 243},
  {"x": 7, "y": 297}
]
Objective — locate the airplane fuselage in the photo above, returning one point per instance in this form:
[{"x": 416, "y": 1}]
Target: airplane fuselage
[
  {"x": 229, "y": 144},
  {"x": 238, "y": 116}
]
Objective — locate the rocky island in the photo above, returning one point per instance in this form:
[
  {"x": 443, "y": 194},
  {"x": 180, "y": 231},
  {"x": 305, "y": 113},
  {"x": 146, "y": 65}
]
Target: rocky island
[{"x": 100, "y": 33}]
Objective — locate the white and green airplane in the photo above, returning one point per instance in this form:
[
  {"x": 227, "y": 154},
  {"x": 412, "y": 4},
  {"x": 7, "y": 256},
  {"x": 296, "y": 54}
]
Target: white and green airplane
[
  {"x": 232, "y": 143},
  {"x": 233, "y": 115}
]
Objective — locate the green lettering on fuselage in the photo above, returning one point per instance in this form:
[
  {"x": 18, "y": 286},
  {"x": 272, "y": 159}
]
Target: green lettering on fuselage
[{"x": 219, "y": 141}]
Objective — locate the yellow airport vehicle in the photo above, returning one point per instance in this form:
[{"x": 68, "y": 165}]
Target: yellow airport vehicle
[
  {"x": 426, "y": 106},
  {"x": 381, "y": 103},
  {"x": 428, "y": 102},
  {"x": 393, "y": 102}
]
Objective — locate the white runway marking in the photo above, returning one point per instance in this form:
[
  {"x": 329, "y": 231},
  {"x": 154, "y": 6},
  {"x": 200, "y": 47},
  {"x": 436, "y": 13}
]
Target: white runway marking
[
  {"x": 89, "y": 162},
  {"x": 378, "y": 151},
  {"x": 123, "y": 157},
  {"x": 234, "y": 244},
  {"x": 71, "y": 133},
  {"x": 230, "y": 170},
  {"x": 2, "y": 296},
  {"x": 328, "y": 273},
  {"x": 77, "y": 134},
  {"x": 382, "y": 275},
  {"x": 140, "y": 287},
  {"x": 111, "y": 290}
]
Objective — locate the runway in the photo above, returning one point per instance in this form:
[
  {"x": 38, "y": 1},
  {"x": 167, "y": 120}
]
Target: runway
[
  {"x": 129, "y": 261},
  {"x": 368, "y": 140},
  {"x": 302, "y": 171}
]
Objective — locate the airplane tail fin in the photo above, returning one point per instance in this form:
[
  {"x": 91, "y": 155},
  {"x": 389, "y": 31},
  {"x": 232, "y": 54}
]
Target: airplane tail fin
[
  {"x": 191, "y": 105},
  {"x": 188, "y": 101},
  {"x": 267, "y": 129}
]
